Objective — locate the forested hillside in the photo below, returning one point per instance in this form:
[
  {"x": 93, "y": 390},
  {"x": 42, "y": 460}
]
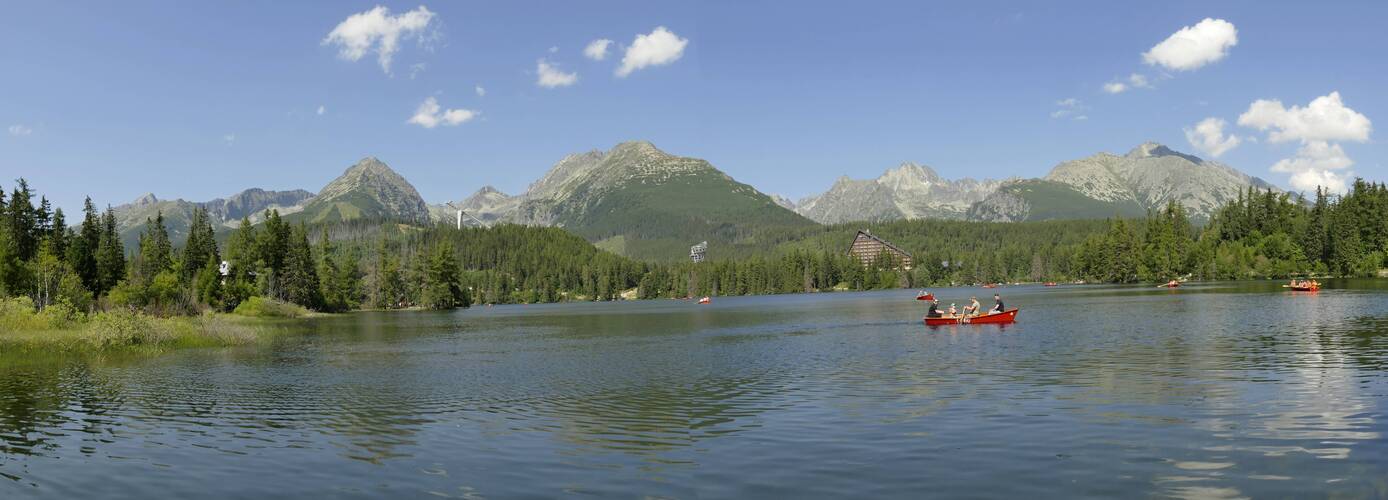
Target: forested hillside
[{"x": 371, "y": 263}]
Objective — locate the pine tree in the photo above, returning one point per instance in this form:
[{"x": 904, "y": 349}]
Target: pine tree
[
  {"x": 24, "y": 230},
  {"x": 82, "y": 248},
  {"x": 59, "y": 236},
  {"x": 201, "y": 246},
  {"x": 300, "y": 276},
  {"x": 156, "y": 250},
  {"x": 110, "y": 257},
  {"x": 442, "y": 288}
]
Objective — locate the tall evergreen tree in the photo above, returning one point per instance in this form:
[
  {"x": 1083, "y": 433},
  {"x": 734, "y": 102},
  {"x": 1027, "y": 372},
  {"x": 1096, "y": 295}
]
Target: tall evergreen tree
[
  {"x": 300, "y": 276},
  {"x": 156, "y": 250},
  {"x": 83, "y": 246},
  {"x": 110, "y": 257},
  {"x": 200, "y": 247},
  {"x": 22, "y": 224},
  {"x": 442, "y": 286}
]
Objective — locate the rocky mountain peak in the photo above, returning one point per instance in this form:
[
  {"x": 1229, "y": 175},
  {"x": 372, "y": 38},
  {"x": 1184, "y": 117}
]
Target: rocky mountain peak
[
  {"x": 1156, "y": 150},
  {"x": 371, "y": 178},
  {"x": 145, "y": 199}
]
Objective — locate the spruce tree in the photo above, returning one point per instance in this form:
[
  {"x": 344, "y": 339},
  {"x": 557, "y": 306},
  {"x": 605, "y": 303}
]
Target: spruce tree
[
  {"x": 300, "y": 278},
  {"x": 82, "y": 248},
  {"x": 442, "y": 286},
  {"x": 201, "y": 246},
  {"x": 110, "y": 257}
]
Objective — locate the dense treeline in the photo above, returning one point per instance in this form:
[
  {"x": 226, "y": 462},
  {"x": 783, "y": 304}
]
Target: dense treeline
[{"x": 384, "y": 265}]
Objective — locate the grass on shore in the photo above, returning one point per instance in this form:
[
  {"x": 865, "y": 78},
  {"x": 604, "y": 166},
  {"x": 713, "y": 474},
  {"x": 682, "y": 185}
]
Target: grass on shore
[{"x": 59, "y": 327}]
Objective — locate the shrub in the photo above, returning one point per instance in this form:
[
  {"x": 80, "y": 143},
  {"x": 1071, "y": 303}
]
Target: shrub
[
  {"x": 60, "y": 315},
  {"x": 125, "y": 328},
  {"x": 261, "y": 307},
  {"x": 17, "y": 313}
]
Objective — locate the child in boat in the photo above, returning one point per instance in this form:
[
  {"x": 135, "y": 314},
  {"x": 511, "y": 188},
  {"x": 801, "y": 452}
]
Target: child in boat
[
  {"x": 952, "y": 311},
  {"x": 997, "y": 304}
]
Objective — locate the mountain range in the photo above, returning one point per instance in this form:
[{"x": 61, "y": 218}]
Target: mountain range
[{"x": 639, "y": 201}]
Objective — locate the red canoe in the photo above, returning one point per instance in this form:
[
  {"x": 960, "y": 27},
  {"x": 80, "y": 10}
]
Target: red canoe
[
  {"x": 1303, "y": 288},
  {"x": 1007, "y": 316}
]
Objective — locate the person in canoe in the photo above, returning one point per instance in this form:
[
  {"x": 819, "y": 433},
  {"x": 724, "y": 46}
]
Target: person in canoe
[
  {"x": 934, "y": 311},
  {"x": 952, "y": 310},
  {"x": 997, "y": 304},
  {"x": 973, "y": 309}
]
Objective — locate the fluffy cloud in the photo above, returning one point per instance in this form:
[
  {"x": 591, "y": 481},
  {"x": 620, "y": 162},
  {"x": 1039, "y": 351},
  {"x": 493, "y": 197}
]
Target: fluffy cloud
[
  {"x": 550, "y": 76},
  {"x": 1318, "y": 126},
  {"x": 322, "y": 109},
  {"x": 1194, "y": 46},
  {"x": 657, "y": 48},
  {"x": 481, "y": 92},
  {"x": 1208, "y": 136},
  {"x": 1134, "y": 81},
  {"x": 1325, "y": 119},
  {"x": 377, "y": 30},
  {"x": 20, "y": 130},
  {"x": 1071, "y": 108},
  {"x": 597, "y": 49},
  {"x": 229, "y": 139},
  {"x": 1314, "y": 165},
  {"x": 430, "y": 115}
]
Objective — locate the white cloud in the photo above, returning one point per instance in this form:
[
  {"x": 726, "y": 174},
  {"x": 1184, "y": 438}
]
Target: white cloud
[
  {"x": 481, "y": 92},
  {"x": 1319, "y": 127},
  {"x": 597, "y": 49},
  {"x": 1325, "y": 119},
  {"x": 20, "y": 130},
  {"x": 229, "y": 139},
  {"x": 550, "y": 76},
  {"x": 322, "y": 110},
  {"x": 554, "y": 49},
  {"x": 1314, "y": 165},
  {"x": 1194, "y": 46},
  {"x": 430, "y": 115},
  {"x": 376, "y": 30},
  {"x": 657, "y": 48},
  {"x": 1134, "y": 81},
  {"x": 416, "y": 69},
  {"x": 1070, "y": 108},
  {"x": 1208, "y": 136}
]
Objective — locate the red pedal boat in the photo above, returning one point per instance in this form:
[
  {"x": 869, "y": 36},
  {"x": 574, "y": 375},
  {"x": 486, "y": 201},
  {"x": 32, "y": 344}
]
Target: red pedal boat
[{"x": 1007, "y": 316}]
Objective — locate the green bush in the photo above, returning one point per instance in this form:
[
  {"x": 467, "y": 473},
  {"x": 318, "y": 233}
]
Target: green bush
[
  {"x": 261, "y": 307},
  {"x": 17, "y": 314},
  {"x": 125, "y": 328}
]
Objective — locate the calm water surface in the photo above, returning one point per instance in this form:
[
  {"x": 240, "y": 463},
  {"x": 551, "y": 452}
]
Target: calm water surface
[{"x": 1210, "y": 391}]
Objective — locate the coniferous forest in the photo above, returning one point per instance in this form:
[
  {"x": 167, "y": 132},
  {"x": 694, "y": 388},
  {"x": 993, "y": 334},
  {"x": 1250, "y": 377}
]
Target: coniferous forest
[{"x": 373, "y": 264}]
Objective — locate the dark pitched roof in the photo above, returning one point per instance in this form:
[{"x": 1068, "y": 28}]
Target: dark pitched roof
[{"x": 886, "y": 243}]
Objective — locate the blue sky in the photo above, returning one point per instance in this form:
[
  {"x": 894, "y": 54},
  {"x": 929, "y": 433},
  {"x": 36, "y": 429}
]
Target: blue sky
[{"x": 199, "y": 100}]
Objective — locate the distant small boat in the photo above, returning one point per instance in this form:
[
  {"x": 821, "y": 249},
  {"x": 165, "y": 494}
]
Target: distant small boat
[
  {"x": 925, "y": 296},
  {"x": 1305, "y": 286},
  {"x": 1170, "y": 284},
  {"x": 705, "y": 300},
  {"x": 1008, "y": 316},
  {"x": 1051, "y": 283},
  {"x": 990, "y": 285}
]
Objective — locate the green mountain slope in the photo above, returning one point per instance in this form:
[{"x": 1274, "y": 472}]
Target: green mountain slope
[
  {"x": 645, "y": 203},
  {"x": 367, "y": 190}
]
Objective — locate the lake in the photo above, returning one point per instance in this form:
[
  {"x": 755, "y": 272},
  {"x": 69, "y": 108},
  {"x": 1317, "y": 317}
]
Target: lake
[{"x": 1218, "y": 390}]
